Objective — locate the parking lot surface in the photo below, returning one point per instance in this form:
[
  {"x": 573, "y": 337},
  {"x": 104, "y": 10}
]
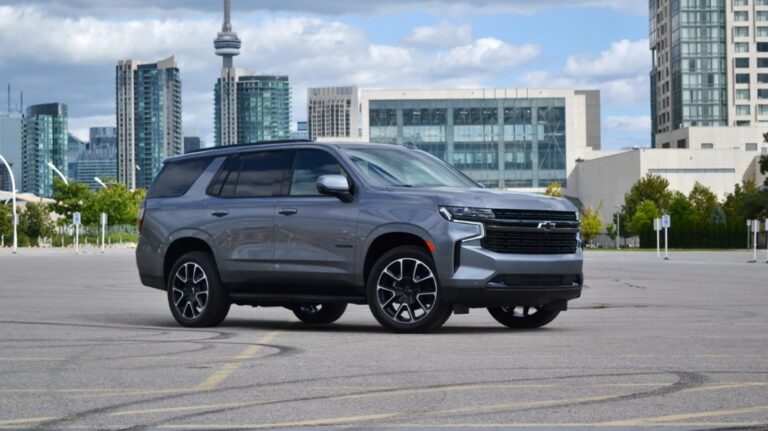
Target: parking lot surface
[{"x": 651, "y": 345}]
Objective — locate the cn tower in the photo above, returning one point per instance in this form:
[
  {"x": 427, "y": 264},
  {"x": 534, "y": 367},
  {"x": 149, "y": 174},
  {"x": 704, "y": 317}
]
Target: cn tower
[{"x": 227, "y": 43}]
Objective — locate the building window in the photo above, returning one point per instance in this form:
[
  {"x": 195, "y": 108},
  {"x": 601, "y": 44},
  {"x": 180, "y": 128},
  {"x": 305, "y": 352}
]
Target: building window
[
  {"x": 741, "y": 32},
  {"x": 682, "y": 143},
  {"x": 665, "y": 145},
  {"x": 741, "y": 2},
  {"x": 742, "y": 110},
  {"x": 762, "y": 15},
  {"x": 742, "y": 94},
  {"x": 750, "y": 147},
  {"x": 741, "y": 47},
  {"x": 707, "y": 146},
  {"x": 762, "y": 47},
  {"x": 742, "y": 78},
  {"x": 762, "y": 109},
  {"x": 762, "y": 78},
  {"x": 762, "y": 32},
  {"x": 742, "y": 63},
  {"x": 741, "y": 16},
  {"x": 761, "y": 2},
  {"x": 742, "y": 123},
  {"x": 762, "y": 94}
]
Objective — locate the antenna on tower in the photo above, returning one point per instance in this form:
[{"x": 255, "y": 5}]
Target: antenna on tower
[{"x": 227, "y": 16}]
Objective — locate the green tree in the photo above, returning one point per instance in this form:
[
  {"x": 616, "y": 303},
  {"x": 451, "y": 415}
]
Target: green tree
[
  {"x": 651, "y": 188},
  {"x": 718, "y": 215},
  {"x": 610, "y": 230},
  {"x": 644, "y": 215},
  {"x": 554, "y": 189},
  {"x": 71, "y": 198},
  {"x": 6, "y": 222},
  {"x": 591, "y": 225},
  {"x": 35, "y": 222},
  {"x": 734, "y": 202},
  {"x": 756, "y": 205},
  {"x": 764, "y": 167},
  {"x": 704, "y": 203},
  {"x": 681, "y": 210},
  {"x": 120, "y": 204}
]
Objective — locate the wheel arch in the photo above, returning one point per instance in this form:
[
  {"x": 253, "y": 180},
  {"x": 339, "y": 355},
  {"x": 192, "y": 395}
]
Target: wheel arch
[
  {"x": 181, "y": 244},
  {"x": 386, "y": 239}
]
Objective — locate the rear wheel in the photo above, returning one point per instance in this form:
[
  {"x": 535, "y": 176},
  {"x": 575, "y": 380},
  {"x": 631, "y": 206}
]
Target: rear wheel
[
  {"x": 195, "y": 293},
  {"x": 404, "y": 293},
  {"x": 319, "y": 314},
  {"x": 523, "y": 317}
]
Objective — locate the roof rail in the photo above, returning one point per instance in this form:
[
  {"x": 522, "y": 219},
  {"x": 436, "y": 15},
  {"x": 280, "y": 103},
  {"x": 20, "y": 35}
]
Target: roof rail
[{"x": 253, "y": 144}]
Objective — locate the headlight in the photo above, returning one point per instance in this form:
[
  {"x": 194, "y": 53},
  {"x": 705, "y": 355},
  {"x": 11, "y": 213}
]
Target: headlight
[{"x": 466, "y": 213}]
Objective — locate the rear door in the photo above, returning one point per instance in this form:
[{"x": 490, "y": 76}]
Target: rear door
[
  {"x": 242, "y": 216},
  {"x": 315, "y": 234}
]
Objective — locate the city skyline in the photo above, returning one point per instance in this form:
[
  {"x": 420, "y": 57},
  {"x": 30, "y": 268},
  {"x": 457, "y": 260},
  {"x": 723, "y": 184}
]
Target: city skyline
[{"x": 402, "y": 46}]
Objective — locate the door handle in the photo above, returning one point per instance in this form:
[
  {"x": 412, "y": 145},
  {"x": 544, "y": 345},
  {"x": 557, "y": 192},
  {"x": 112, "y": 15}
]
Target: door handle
[
  {"x": 287, "y": 211},
  {"x": 220, "y": 213}
]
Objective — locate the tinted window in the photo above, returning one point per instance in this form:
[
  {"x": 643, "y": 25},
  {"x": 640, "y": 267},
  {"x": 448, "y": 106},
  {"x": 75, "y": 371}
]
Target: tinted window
[
  {"x": 260, "y": 174},
  {"x": 311, "y": 165},
  {"x": 177, "y": 177}
]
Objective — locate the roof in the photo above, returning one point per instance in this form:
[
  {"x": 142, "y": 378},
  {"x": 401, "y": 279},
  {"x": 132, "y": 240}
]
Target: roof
[{"x": 231, "y": 149}]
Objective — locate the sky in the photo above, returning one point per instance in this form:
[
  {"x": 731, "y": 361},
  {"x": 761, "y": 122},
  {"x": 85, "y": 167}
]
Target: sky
[{"x": 66, "y": 51}]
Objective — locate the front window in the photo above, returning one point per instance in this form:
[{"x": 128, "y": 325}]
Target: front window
[{"x": 400, "y": 168}]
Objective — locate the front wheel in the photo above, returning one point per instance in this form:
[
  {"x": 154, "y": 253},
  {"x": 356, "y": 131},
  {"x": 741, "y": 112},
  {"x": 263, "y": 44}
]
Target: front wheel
[
  {"x": 523, "y": 317},
  {"x": 320, "y": 314},
  {"x": 404, "y": 293}
]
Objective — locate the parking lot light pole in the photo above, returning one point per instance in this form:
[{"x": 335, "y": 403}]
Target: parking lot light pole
[
  {"x": 58, "y": 172},
  {"x": 14, "y": 216}
]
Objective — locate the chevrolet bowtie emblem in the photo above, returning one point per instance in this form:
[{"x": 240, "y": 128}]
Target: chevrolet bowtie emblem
[{"x": 547, "y": 225}]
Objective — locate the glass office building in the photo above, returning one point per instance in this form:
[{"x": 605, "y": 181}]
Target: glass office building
[
  {"x": 263, "y": 104},
  {"x": 505, "y": 143},
  {"x": 44, "y": 140}
]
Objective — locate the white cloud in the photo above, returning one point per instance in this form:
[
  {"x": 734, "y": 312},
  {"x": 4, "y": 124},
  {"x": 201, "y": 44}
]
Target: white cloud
[
  {"x": 623, "y": 58},
  {"x": 442, "y": 35},
  {"x": 621, "y": 73},
  {"x": 73, "y": 61},
  {"x": 626, "y": 123},
  {"x": 79, "y": 126}
]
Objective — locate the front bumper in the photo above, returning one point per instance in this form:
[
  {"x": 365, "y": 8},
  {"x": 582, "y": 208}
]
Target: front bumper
[{"x": 483, "y": 278}]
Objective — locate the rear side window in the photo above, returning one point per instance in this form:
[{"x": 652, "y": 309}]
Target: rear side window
[
  {"x": 311, "y": 165},
  {"x": 256, "y": 175},
  {"x": 176, "y": 178}
]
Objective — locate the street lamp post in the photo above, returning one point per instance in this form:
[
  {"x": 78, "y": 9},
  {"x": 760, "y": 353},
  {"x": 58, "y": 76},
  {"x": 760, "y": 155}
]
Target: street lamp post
[
  {"x": 13, "y": 197},
  {"x": 55, "y": 169}
]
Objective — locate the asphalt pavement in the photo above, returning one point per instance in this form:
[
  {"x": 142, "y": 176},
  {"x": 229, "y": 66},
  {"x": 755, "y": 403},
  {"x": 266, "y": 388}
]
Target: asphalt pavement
[{"x": 652, "y": 344}]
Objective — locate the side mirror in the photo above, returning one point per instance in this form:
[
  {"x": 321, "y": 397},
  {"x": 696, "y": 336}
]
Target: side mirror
[{"x": 334, "y": 185}]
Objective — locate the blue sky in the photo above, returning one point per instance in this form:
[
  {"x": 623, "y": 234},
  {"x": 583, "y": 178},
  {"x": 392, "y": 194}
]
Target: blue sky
[{"x": 422, "y": 43}]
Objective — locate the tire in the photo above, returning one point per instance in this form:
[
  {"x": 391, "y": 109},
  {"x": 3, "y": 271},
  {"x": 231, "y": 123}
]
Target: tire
[
  {"x": 521, "y": 317},
  {"x": 320, "y": 314},
  {"x": 196, "y": 296},
  {"x": 404, "y": 281}
]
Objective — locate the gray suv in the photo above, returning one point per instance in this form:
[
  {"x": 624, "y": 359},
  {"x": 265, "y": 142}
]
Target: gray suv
[{"x": 316, "y": 226}]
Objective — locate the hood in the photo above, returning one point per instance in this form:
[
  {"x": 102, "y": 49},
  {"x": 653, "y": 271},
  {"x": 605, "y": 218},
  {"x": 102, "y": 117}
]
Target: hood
[{"x": 487, "y": 198}]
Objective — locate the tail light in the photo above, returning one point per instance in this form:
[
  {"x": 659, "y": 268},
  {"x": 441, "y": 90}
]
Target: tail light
[{"x": 140, "y": 218}]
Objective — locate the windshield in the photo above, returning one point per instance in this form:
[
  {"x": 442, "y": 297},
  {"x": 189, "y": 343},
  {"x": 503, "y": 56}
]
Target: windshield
[{"x": 395, "y": 167}]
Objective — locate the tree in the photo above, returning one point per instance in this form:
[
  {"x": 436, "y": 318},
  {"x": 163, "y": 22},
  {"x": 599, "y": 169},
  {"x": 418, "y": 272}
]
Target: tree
[
  {"x": 681, "y": 210},
  {"x": 652, "y": 188},
  {"x": 704, "y": 203},
  {"x": 610, "y": 230},
  {"x": 644, "y": 215},
  {"x": 35, "y": 222},
  {"x": 764, "y": 167},
  {"x": 756, "y": 205},
  {"x": 71, "y": 198},
  {"x": 734, "y": 202},
  {"x": 554, "y": 189},
  {"x": 6, "y": 222},
  {"x": 120, "y": 204},
  {"x": 591, "y": 225}
]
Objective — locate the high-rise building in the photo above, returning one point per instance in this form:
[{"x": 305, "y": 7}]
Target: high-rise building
[
  {"x": 502, "y": 138},
  {"x": 44, "y": 140},
  {"x": 192, "y": 143},
  {"x": 75, "y": 147},
  {"x": 302, "y": 131},
  {"x": 10, "y": 148},
  {"x": 247, "y": 107},
  {"x": 99, "y": 159},
  {"x": 333, "y": 112},
  {"x": 709, "y": 83},
  {"x": 148, "y": 119}
]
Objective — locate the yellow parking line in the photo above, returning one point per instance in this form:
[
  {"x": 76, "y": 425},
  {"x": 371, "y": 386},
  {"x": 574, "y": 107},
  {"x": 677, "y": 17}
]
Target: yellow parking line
[
  {"x": 25, "y": 421},
  {"x": 685, "y": 416},
  {"x": 230, "y": 367}
]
